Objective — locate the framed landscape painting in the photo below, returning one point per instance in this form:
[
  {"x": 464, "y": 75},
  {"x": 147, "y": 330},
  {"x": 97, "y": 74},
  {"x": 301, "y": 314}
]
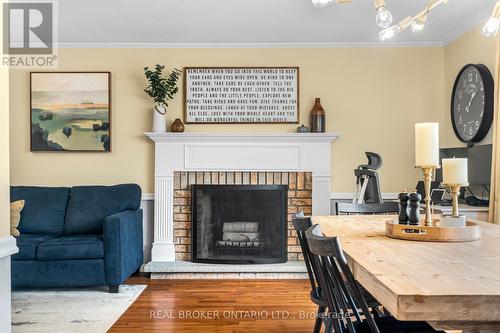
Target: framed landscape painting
[{"x": 70, "y": 111}]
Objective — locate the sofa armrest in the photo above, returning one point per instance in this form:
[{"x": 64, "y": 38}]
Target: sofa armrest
[{"x": 123, "y": 250}]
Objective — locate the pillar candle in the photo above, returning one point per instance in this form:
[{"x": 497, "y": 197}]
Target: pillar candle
[
  {"x": 455, "y": 171},
  {"x": 427, "y": 145}
]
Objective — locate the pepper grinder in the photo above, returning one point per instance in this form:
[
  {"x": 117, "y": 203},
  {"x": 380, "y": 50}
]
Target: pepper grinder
[
  {"x": 403, "y": 207},
  {"x": 414, "y": 216}
]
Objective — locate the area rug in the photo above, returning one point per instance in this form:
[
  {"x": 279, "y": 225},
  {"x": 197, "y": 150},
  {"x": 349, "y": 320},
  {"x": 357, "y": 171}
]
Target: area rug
[{"x": 70, "y": 310}]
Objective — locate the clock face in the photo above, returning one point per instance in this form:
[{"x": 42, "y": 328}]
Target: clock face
[{"x": 472, "y": 107}]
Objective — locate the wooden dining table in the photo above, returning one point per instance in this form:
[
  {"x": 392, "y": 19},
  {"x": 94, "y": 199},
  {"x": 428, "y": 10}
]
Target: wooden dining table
[{"x": 450, "y": 285}]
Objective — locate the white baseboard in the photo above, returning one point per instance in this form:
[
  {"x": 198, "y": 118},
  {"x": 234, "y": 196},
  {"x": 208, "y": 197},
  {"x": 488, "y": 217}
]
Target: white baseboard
[{"x": 7, "y": 248}]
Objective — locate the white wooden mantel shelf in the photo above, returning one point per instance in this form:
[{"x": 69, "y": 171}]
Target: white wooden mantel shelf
[
  {"x": 258, "y": 151},
  {"x": 251, "y": 137}
]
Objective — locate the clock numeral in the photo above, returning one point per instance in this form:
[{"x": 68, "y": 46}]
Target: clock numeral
[
  {"x": 459, "y": 107},
  {"x": 460, "y": 94},
  {"x": 471, "y": 131},
  {"x": 465, "y": 128},
  {"x": 477, "y": 124},
  {"x": 470, "y": 77}
]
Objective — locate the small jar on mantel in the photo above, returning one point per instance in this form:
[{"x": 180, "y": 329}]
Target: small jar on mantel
[
  {"x": 177, "y": 126},
  {"x": 318, "y": 121}
]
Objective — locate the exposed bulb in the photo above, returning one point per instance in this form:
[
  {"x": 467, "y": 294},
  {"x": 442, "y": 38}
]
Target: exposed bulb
[
  {"x": 321, "y": 3},
  {"x": 490, "y": 29},
  {"x": 389, "y": 32},
  {"x": 418, "y": 25},
  {"x": 384, "y": 17}
]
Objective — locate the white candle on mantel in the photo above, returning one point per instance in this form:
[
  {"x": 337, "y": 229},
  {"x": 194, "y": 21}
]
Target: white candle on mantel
[
  {"x": 427, "y": 145},
  {"x": 455, "y": 171}
]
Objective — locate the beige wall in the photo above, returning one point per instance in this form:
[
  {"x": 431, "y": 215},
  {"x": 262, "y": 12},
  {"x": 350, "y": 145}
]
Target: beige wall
[
  {"x": 473, "y": 48},
  {"x": 4, "y": 147},
  {"x": 372, "y": 96}
]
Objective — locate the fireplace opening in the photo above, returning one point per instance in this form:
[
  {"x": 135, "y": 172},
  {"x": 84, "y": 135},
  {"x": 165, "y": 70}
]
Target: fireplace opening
[{"x": 239, "y": 224}]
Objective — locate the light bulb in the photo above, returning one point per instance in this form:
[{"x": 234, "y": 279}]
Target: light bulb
[
  {"x": 418, "y": 25},
  {"x": 491, "y": 27},
  {"x": 321, "y": 3},
  {"x": 384, "y": 17},
  {"x": 389, "y": 32}
]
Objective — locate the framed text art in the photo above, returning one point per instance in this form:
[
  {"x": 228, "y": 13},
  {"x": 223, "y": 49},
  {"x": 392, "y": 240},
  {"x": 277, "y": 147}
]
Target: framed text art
[
  {"x": 70, "y": 111},
  {"x": 241, "y": 95}
]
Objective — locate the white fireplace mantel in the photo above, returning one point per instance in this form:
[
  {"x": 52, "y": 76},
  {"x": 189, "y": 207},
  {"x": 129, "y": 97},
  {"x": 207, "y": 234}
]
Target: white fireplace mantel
[{"x": 234, "y": 152}]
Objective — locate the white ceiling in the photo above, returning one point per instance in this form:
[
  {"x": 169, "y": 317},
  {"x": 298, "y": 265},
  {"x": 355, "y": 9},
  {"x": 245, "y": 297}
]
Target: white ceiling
[{"x": 255, "y": 22}]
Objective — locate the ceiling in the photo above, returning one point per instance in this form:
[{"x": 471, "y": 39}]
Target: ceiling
[{"x": 163, "y": 23}]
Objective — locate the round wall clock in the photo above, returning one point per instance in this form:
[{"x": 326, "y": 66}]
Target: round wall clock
[{"x": 472, "y": 103}]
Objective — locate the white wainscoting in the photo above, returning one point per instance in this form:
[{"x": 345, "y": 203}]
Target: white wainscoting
[{"x": 7, "y": 248}]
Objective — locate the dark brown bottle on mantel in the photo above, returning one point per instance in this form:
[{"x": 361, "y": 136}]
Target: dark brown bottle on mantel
[{"x": 318, "y": 124}]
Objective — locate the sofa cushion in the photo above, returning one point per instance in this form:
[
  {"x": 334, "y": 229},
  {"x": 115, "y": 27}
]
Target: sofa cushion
[
  {"x": 71, "y": 247},
  {"x": 89, "y": 205},
  {"x": 28, "y": 244},
  {"x": 44, "y": 209}
]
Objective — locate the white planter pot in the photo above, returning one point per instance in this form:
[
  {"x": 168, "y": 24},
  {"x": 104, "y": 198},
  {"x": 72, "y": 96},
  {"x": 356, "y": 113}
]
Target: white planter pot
[{"x": 159, "y": 119}]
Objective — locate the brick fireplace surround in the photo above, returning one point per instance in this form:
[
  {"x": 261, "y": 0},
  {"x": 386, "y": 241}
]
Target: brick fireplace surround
[
  {"x": 300, "y": 160},
  {"x": 299, "y": 199}
]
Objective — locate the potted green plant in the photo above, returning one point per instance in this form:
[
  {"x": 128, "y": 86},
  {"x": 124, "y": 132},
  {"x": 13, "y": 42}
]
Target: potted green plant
[{"x": 161, "y": 89}]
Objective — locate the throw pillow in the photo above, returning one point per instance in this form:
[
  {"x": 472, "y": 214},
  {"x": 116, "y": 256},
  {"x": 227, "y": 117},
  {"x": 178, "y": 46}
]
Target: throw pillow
[{"x": 15, "y": 216}]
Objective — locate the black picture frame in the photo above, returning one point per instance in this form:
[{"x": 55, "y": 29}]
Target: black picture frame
[{"x": 185, "y": 104}]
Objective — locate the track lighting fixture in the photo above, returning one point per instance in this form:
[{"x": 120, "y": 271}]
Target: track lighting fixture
[
  {"x": 384, "y": 16},
  {"x": 490, "y": 29}
]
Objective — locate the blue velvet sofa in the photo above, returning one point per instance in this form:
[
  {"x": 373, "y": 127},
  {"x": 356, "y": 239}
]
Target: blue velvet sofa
[{"x": 78, "y": 236}]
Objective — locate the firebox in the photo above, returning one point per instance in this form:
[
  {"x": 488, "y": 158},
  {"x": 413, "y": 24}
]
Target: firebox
[{"x": 239, "y": 224}]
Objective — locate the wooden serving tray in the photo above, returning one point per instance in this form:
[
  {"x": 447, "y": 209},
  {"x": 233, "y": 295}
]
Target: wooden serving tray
[{"x": 471, "y": 232}]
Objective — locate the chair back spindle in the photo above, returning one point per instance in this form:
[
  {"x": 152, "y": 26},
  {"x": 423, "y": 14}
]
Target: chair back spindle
[
  {"x": 301, "y": 224},
  {"x": 343, "y": 294}
]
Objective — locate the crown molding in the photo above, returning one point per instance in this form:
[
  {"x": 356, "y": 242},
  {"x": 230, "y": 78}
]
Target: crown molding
[{"x": 252, "y": 45}]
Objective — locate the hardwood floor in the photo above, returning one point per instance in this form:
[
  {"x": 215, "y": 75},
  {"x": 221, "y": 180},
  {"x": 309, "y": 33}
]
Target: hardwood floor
[{"x": 221, "y": 306}]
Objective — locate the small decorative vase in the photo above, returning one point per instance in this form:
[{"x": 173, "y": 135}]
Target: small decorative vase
[
  {"x": 159, "y": 119},
  {"x": 177, "y": 126},
  {"x": 318, "y": 117}
]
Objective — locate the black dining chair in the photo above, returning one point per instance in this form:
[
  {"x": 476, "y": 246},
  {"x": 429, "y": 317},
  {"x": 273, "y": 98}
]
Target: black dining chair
[
  {"x": 301, "y": 224},
  {"x": 347, "y": 208},
  {"x": 348, "y": 309}
]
